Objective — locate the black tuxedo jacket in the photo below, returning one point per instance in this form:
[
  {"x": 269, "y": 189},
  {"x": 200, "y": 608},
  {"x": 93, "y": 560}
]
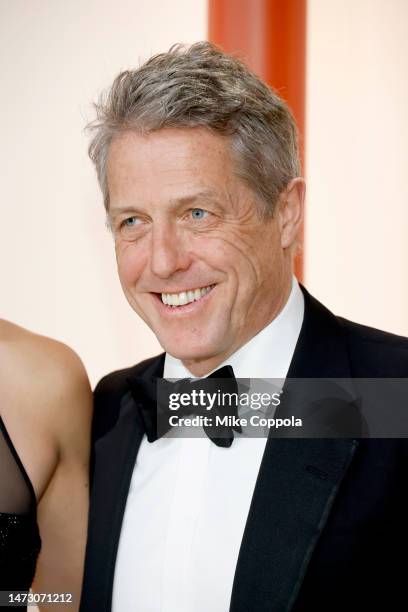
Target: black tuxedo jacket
[{"x": 327, "y": 526}]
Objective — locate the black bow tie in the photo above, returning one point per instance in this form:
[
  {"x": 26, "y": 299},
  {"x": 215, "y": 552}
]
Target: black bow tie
[{"x": 155, "y": 411}]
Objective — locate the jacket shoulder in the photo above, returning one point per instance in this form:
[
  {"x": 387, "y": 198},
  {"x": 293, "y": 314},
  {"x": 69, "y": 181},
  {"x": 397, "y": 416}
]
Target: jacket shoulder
[
  {"x": 374, "y": 352},
  {"x": 109, "y": 392},
  {"x": 114, "y": 384}
]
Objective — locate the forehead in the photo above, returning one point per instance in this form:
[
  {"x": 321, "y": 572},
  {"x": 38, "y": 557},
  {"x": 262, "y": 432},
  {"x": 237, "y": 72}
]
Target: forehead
[{"x": 169, "y": 163}]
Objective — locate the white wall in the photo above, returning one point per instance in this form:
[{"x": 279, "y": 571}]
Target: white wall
[
  {"x": 57, "y": 263},
  {"x": 58, "y": 273},
  {"x": 357, "y": 134}
]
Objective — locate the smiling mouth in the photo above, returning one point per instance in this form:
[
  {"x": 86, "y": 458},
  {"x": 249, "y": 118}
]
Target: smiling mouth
[{"x": 174, "y": 300}]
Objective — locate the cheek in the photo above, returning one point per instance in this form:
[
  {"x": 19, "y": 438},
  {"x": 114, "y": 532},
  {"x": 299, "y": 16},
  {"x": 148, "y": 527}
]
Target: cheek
[
  {"x": 239, "y": 255},
  {"x": 233, "y": 257},
  {"x": 221, "y": 250},
  {"x": 130, "y": 263}
]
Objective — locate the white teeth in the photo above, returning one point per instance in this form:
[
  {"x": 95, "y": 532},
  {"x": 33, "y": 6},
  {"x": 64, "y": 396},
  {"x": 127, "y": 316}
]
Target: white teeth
[{"x": 184, "y": 297}]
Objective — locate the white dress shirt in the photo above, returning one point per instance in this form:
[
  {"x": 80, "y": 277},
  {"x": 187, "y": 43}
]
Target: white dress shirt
[{"x": 189, "y": 499}]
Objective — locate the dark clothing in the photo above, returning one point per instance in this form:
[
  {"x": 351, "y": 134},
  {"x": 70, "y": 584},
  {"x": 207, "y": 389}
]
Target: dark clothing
[
  {"x": 327, "y": 527},
  {"x": 19, "y": 536}
]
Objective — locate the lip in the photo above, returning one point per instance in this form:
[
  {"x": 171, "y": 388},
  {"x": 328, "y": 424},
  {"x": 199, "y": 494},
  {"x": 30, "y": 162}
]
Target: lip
[{"x": 179, "y": 311}]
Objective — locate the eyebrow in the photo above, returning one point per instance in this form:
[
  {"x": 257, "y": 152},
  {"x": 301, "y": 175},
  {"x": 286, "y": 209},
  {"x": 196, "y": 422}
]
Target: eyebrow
[{"x": 205, "y": 196}]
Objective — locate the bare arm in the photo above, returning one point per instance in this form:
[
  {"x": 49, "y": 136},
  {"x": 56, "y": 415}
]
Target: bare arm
[{"x": 63, "y": 508}]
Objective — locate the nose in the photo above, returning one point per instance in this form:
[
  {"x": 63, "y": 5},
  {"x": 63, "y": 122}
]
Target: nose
[{"x": 168, "y": 252}]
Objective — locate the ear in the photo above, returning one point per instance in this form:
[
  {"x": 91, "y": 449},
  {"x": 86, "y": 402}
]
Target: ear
[{"x": 290, "y": 211}]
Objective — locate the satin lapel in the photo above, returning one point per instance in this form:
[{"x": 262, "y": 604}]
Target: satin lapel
[
  {"x": 115, "y": 457},
  {"x": 297, "y": 484}
]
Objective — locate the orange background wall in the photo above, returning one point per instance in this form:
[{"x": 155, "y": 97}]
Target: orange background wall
[{"x": 270, "y": 35}]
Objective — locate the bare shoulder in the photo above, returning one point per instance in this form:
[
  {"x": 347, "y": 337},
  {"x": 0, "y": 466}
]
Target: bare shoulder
[
  {"x": 44, "y": 378},
  {"x": 38, "y": 360},
  {"x": 47, "y": 412}
]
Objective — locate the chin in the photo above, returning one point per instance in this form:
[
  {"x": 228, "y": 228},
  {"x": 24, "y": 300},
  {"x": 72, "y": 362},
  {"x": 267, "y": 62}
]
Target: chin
[
  {"x": 189, "y": 351},
  {"x": 186, "y": 353}
]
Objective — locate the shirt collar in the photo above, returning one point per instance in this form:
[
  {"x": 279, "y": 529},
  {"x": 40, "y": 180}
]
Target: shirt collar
[{"x": 266, "y": 355}]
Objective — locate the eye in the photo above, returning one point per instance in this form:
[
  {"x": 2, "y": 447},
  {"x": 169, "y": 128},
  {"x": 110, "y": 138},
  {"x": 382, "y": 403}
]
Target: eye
[
  {"x": 199, "y": 213},
  {"x": 130, "y": 222}
]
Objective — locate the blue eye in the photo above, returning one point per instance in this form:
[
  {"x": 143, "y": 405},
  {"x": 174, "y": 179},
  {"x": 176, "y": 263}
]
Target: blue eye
[
  {"x": 198, "y": 213},
  {"x": 130, "y": 222}
]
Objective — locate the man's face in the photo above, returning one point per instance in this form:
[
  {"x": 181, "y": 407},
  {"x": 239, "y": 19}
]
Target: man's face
[{"x": 195, "y": 259}]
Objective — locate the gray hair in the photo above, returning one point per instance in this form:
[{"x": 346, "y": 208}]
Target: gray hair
[{"x": 200, "y": 86}]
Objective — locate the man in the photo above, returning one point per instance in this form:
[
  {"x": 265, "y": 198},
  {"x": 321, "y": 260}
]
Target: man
[{"x": 197, "y": 159}]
